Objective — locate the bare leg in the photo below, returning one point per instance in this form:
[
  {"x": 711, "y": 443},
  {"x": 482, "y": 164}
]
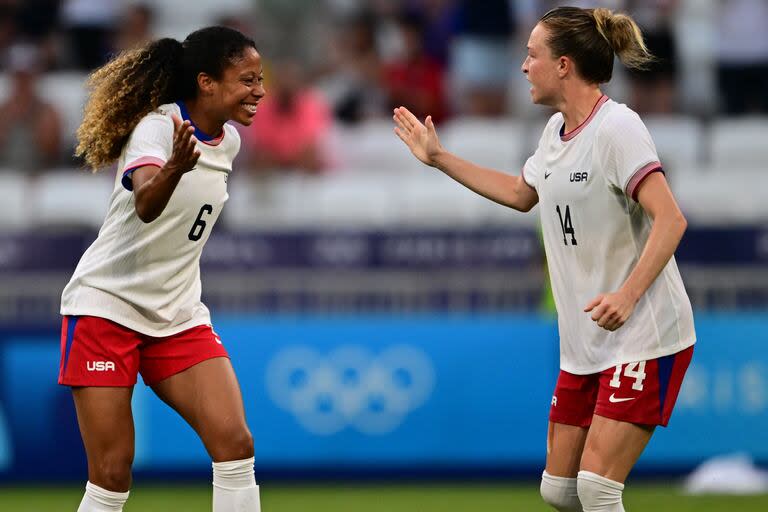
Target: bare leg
[
  {"x": 611, "y": 450},
  {"x": 208, "y": 397},
  {"x": 106, "y": 425},
  {"x": 613, "y": 447},
  {"x": 558, "y": 483},
  {"x": 565, "y": 444}
]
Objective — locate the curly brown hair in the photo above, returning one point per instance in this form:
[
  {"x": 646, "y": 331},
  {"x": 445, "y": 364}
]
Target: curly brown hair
[
  {"x": 138, "y": 81},
  {"x": 123, "y": 91}
]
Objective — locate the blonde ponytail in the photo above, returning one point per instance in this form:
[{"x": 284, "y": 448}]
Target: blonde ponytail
[{"x": 624, "y": 37}]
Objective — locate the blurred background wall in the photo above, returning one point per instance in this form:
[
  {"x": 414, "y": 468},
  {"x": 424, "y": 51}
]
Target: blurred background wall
[{"x": 381, "y": 318}]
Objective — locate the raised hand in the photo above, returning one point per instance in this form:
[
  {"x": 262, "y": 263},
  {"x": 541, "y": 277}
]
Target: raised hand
[
  {"x": 421, "y": 138},
  {"x": 184, "y": 155}
]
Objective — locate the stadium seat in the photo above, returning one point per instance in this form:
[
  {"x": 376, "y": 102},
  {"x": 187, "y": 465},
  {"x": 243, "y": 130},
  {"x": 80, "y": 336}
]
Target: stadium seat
[
  {"x": 695, "y": 35},
  {"x": 530, "y": 140},
  {"x": 723, "y": 196},
  {"x": 354, "y": 200},
  {"x": 177, "y": 18},
  {"x": 14, "y": 196},
  {"x": 299, "y": 201},
  {"x": 70, "y": 198},
  {"x": 372, "y": 146},
  {"x": 438, "y": 201},
  {"x": 5, "y": 86},
  {"x": 434, "y": 200},
  {"x": 739, "y": 142},
  {"x": 267, "y": 202},
  {"x": 496, "y": 144},
  {"x": 678, "y": 140}
]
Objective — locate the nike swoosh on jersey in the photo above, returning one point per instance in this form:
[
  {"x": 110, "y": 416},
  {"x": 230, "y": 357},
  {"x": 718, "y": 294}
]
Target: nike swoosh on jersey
[
  {"x": 546, "y": 175},
  {"x": 615, "y": 400}
]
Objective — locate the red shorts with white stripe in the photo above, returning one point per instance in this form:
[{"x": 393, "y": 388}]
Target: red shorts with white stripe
[
  {"x": 641, "y": 392},
  {"x": 99, "y": 352}
]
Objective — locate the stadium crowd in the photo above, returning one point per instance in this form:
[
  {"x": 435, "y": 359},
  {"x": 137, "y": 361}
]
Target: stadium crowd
[{"x": 340, "y": 63}]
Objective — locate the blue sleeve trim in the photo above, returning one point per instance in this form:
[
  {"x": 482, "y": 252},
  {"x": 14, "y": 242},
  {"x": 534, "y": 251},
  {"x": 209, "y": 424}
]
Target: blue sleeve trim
[{"x": 127, "y": 179}]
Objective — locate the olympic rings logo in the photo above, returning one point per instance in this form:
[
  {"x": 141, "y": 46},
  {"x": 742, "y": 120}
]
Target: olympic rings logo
[{"x": 350, "y": 387}]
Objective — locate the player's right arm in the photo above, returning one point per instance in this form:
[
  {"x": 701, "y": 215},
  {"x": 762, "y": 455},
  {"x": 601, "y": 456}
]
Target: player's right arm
[
  {"x": 421, "y": 139},
  {"x": 152, "y": 185}
]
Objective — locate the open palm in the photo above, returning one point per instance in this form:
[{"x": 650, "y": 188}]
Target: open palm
[{"x": 421, "y": 138}]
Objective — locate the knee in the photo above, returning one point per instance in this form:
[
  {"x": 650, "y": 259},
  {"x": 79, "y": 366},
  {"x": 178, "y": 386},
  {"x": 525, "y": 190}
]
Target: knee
[
  {"x": 232, "y": 444},
  {"x": 599, "y": 494},
  {"x": 112, "y": 471},
  {"x": 560, "y": 493}
]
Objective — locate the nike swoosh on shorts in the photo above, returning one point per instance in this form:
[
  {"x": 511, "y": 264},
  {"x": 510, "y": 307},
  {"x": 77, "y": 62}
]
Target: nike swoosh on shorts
[{"x": 615, "y": 400}]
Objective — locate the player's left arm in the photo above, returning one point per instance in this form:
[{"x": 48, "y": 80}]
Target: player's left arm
[{"x": 612, "y": 310}]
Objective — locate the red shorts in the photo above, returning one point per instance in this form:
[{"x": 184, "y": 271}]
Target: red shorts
[
  {"x": 643, "y": 392},
  {"x": 99, "y": 352}
]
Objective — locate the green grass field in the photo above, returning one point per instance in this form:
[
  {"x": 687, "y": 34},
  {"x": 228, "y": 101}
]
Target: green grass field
[{"x": 453, "y": 497}]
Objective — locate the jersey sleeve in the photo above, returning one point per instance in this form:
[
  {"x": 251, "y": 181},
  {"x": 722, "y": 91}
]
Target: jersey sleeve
[
  {"x": 234, "y": 148},
  {"x": 626, "y": 152},
  {"x": 150, "y": 143},
  {"x": 533, "y": 168}
]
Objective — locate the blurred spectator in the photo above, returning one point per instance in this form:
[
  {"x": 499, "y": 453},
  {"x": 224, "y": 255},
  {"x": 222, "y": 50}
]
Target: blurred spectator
[
  {"x": 415, "y": 79},
  {"x": 38, "y": 22},
  {"x": 37, "y": 18},
  {"x": 238, "y": 21},
  {"x": 90, "y": 26},
  {"x": 653, "y": 90},
  {"x": 441, "y": 21},
  {"x": 135, "y": 29},
  {"x": 353, "y": 82},
  {"x": 389, "y": 43},
  {"x": 30, "y": 134},
  {"x": 8, "y": 26},
  {"x": 481, "y": 59},
  {"x": 291, "y": 126},
  {"x": 742, "y": 54}
]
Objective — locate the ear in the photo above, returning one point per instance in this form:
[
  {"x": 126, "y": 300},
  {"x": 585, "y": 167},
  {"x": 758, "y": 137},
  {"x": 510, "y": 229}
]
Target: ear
[
  {"x": 564, "y": 65},
  {"x": 205, "y": 83}
]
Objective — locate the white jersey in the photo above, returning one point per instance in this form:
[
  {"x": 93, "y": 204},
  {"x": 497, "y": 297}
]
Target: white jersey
[
  {"x": 147, "y": 276},
  {"x": 594, "y": 233}
]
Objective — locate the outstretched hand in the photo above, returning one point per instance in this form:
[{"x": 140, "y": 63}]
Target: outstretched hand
[
  {"x": 421, "y": 138},
  {"x": 184, "y": 155}
]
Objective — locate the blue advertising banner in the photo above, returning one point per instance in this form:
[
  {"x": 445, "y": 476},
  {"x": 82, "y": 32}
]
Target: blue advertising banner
[
  {"x": 465, "y": 392},
  {"x": 376, "y": 391},
  {"x": 373, "y": 249}
]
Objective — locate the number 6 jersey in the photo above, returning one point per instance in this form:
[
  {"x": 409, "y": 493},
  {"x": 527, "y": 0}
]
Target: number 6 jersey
[
  {"x": 594, "y": 233},
  {"x": 147, "y": 276}
]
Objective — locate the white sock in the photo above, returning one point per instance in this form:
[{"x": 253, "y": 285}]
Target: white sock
[
  {"x": 599, "y": 494},
  {"x": 560, "y": 492},
  {"x": 234, "y": 487},
  {"x": 97, "y": 499}
]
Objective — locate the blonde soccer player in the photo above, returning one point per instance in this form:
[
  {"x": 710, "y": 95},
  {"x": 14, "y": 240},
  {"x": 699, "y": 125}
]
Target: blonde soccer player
[
  {"x": 611, "y": 227},
  {"x": 133, "y": 304}
]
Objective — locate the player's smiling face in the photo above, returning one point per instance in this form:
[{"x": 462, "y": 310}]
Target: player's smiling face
[
  {"x": 241, "y": 87},
  {"x": 540, "y": 68}
]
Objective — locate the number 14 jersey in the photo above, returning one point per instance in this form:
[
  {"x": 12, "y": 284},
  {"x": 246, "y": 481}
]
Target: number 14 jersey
[
  {"x": 147, "y": 276},
  {"x": 594, "y": 233}
]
